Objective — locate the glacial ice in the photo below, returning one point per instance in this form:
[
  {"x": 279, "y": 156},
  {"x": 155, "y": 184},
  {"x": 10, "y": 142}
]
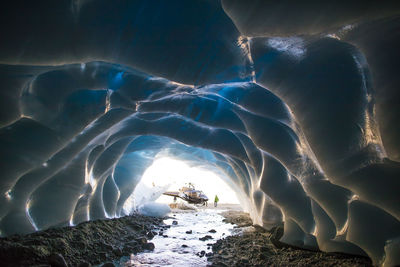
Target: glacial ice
[
  {"x": 154, "y": 209},
  {"x": 303, "y": 117},
  {"x": 143, "y": 195}
]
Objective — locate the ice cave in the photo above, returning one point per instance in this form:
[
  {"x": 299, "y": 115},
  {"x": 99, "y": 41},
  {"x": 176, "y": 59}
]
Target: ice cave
[{"x": 296, "y": 103}]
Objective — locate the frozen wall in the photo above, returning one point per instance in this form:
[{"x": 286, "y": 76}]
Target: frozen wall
[{"x": 299, "y": 110}]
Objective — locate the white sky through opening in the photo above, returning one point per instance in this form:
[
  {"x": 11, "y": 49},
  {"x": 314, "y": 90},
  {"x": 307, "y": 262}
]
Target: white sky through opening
[{"x": 177, "y": 173}]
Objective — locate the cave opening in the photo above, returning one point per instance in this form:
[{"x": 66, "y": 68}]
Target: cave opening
[
  {"x": 171, "y": 174},
  {"x": 188, "y": 223},
  {"x": 291, "y": 107}
]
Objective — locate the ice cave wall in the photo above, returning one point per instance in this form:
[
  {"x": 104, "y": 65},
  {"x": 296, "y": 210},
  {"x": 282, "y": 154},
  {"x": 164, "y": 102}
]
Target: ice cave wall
[{"x": 296, "y": 104}]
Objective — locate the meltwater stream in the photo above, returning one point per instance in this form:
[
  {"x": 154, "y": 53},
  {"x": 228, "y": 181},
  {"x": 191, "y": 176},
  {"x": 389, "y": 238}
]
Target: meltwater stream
[{"x": 180, "y": 245}]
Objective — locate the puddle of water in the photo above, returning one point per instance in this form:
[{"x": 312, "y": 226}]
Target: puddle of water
[{"x": 169, "y": 250}]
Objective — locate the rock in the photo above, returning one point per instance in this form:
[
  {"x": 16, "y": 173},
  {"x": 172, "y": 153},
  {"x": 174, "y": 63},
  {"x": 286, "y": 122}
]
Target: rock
[
  {"x": 201, "y": 253},
  {"x": 118, "y": 252},
  {"x": 204, "y": 238},
  {"x": 149, "y": 246},
  {"x": 209, "y": 254},
  {"x": 189, "y": 232},
  {"x": 127, "y": 250},
  {"x": 165, "y": 236},
  {"x": 184, "y": 246},
  {"x": 212, "y": 231},
  {"x": 33, "y": 242},
  {"x": 107, "y": 247},
  {"x": 240, "y": 218},
  {"x": 80, "y": 245},
  {"x": 131, "y": 244},
  {"x": 276, "y": 232},
  {"x": 244, "y": 262},
  {"x": 141, "y": 240},
  {"x": 57, "y": 260},
  {"x": 130, "y": 247},
  {"x": 84, "y": 264},
  {"x": 102, "y": 256},
  {"x": 175, "y": 223},
  {"x": 150, "y": 235},
  {"x": 160, "y": 233}
]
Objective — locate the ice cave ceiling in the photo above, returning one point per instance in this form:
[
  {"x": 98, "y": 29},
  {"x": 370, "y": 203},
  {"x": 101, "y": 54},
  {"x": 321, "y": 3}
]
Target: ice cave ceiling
[{"x": 296, "y": 102}]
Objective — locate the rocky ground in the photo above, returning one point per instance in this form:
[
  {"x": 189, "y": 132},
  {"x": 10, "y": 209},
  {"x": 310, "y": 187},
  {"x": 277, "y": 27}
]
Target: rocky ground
[
  {"x": 256, "y": 248},
  {"x": 240, "y": 218},
  {"x": 102, "y": 241},
  {"x": 88, "y": 243}
]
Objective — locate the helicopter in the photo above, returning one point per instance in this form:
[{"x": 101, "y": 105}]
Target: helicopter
[{"x": 189, "y": 194}]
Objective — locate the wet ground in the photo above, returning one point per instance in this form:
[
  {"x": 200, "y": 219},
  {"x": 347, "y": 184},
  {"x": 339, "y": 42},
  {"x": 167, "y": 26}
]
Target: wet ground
[
  {"x": 186, "y": 242},
  {"x": 220, "y": 236}
]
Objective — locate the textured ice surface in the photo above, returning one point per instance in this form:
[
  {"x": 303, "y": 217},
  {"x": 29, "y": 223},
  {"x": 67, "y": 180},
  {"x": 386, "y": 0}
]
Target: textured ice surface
[
  {"x": 154, "y": 209},
  {"x": 142, "y": 195},
  {"x": 300, "y": 112}
]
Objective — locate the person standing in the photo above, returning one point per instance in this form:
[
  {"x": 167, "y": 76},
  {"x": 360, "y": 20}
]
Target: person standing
[{"x": 216, "y": 199}]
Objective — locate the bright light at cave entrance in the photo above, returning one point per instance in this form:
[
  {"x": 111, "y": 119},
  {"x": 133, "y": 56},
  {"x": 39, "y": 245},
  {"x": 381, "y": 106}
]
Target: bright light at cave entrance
[{"x": 176, "y": 173}]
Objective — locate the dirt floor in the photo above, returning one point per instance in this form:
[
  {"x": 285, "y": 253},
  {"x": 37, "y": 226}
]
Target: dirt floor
[
  {"x": 90, "y": 242},
  {"x": 240, "y": 218},
  {"x": 255, "y": 247}
]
